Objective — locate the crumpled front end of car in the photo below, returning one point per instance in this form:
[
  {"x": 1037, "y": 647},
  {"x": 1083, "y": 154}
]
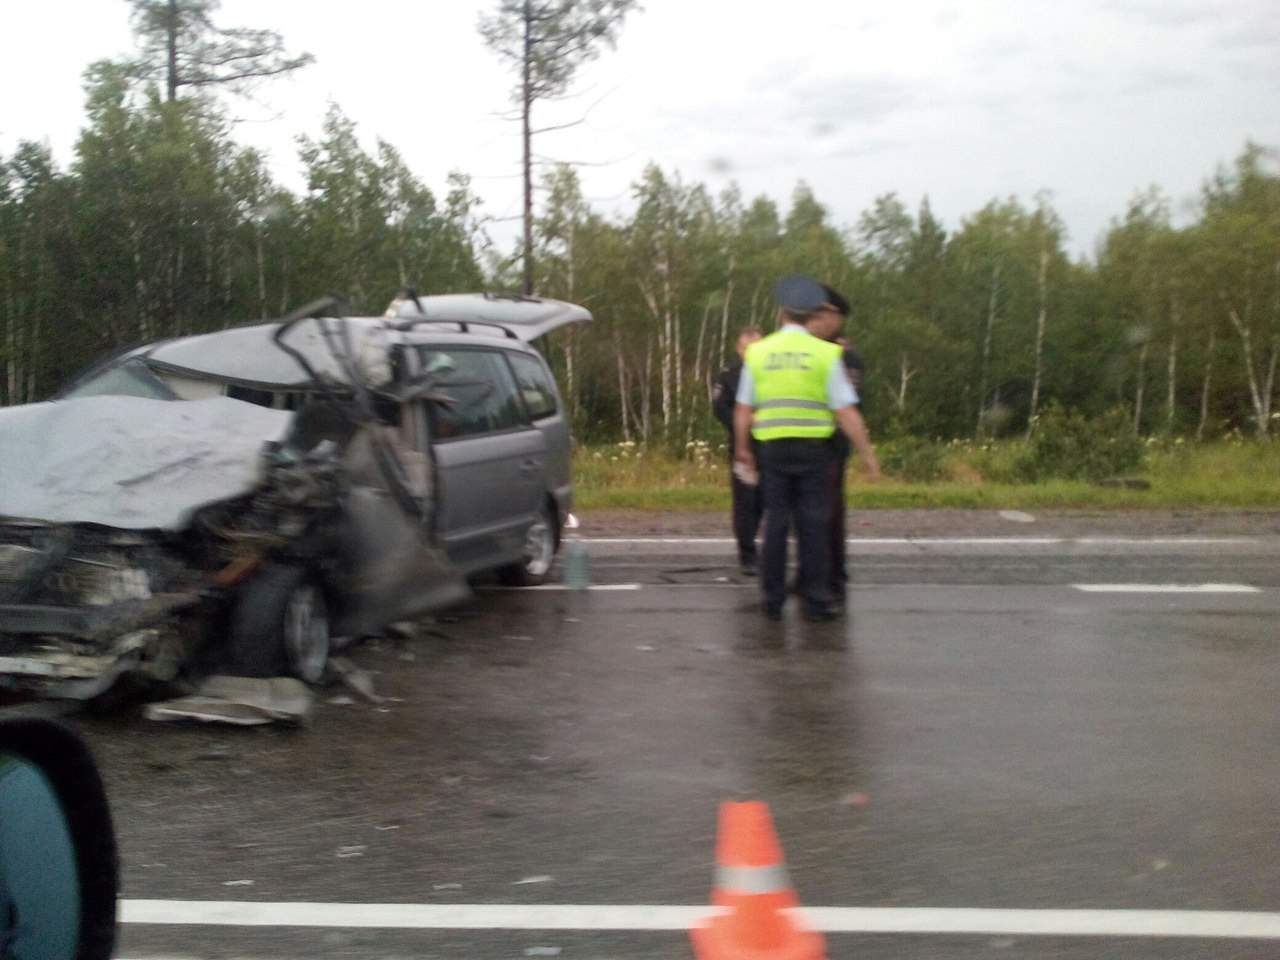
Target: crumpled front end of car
[{"x": 82, "y": 606}]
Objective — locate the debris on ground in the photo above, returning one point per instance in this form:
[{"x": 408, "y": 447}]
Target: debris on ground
[
  {"x": 355, "y": 679},
  {"x": 241, "y": 701}
]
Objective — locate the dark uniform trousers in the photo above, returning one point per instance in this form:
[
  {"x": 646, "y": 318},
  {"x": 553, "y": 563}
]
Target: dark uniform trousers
[
  {"x": 795, "y": 484},
  {"x": 747, "y": 511},
  {"x": 838, "y": 570},
  {"x": 746, "y": 497}
]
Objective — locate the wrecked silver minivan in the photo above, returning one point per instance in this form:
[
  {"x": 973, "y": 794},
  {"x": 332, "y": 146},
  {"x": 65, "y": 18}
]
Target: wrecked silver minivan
[{"x": 238, "y": 502}]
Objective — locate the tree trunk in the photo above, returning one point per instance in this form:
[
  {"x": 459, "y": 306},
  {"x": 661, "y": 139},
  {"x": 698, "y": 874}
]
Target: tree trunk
[
  {"x": 1245, "y": 332},
  {"x": 140, "y": 283},
  {"x": 1140, "y": 389},
  {"x": 624, "y": 397},
  {"x": 699, "y": 359},
  {"x": 171, "y": 74},
  {"x": 261, "y": 261},
  {"x": 658, "y": 301},
  {"x": 988, "y": 339},
  {"x": 12, "y": 367},
  {"x": 1042, "y": 287},
  {"x": 1204, "y": 385},
  {"x": 905, "y": 373},
  {"x": 571, "y": 338},
  {"x": 646, "y": 395},
  {"x": 722, "y": 348},
  {"x": 571, "y": 372},
  {"x": 526, "y": 135}
]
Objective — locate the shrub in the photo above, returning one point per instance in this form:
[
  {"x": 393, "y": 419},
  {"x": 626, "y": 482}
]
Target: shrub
[
  {"x": 1067, "y": 445},
  {"x": 913, "y": 459}
]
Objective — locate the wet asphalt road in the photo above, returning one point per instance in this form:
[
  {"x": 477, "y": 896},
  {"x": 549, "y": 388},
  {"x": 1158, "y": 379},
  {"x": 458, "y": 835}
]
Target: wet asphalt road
[{"x": 977, "y": 732}]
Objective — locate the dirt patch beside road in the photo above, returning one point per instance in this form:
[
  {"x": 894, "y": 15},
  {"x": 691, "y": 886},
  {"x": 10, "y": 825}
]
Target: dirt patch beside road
[{"x": 960, "y": 523}]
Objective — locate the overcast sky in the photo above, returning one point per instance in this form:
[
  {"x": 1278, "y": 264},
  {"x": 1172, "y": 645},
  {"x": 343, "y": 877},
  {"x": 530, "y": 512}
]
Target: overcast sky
[{"x": 962, "y": 101}]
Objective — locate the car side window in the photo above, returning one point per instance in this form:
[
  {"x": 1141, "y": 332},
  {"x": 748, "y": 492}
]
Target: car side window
[
  {"x": 482, "y": 389},
  {"x": 535, "y": 385}
]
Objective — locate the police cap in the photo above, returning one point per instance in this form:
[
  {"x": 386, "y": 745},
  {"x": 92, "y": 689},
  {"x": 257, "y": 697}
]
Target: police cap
[
  {"x": 834, "y": 299},
  {"x": 799, "y": 294}
]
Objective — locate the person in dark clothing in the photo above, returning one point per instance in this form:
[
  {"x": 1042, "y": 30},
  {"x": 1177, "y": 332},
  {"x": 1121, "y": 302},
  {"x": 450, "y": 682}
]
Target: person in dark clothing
[
  {"x": 747, "y": 508},
  {"x": 841, "y": 449}
]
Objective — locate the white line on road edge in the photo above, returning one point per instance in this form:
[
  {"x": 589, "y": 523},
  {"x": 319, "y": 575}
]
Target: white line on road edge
[
  {"x": 547, "y": 916},
  {"x": 1166, "y": 588}
]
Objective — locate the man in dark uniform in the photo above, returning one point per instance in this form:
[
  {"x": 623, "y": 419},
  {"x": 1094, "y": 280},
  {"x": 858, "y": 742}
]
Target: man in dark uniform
[
  {"x": 792, "y": 395},
  {"x": 746, "y": 496},
  {"x": 829, "y": 328}
]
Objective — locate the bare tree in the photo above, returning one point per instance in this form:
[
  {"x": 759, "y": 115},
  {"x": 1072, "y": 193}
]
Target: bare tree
[
  {"x": 180, "y": 44},
  {"x": 547, "y": 41}
]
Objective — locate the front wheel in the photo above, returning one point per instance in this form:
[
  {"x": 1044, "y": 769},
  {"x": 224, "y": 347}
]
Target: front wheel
[
  {"x": 537, "y": 555},
  {"x": 279, "y": 626}
]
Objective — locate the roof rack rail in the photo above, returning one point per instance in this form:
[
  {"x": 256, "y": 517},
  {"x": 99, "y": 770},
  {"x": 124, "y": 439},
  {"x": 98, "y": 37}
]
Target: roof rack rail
[
  {"x": 515, "y": 297},
  {"x": 463, "y": 326}
]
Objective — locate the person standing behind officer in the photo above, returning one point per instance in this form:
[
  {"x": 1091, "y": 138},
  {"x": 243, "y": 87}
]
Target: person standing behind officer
[
  {"x": 792, "y": 396},
  {"x": 829, "y": 326},
  {"x": 746, "y": 496}
]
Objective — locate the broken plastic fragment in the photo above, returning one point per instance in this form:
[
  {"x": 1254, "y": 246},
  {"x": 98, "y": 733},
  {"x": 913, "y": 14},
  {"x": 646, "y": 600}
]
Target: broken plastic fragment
[{"x": 354, "y": 678}]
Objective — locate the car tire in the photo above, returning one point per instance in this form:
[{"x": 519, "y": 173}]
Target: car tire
[
  {"x": 537, "y": 554},
  {"x": 279, "y": 626}
]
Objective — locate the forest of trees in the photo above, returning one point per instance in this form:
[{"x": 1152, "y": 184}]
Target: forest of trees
[{"x": 164, "y": 226}]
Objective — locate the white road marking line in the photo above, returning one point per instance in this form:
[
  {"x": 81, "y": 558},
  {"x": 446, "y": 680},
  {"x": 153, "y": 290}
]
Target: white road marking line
[
  {"x": 965, "y": 541},
  {"x": 546, "y": 916},
  {"x": 1166, "y": 588},
  {"x": 593, "y": 586},
  {"x": 1104, "y": 923}
]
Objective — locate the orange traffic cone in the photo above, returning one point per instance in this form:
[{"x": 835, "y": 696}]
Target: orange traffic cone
[{"x": 752, "y": 882}]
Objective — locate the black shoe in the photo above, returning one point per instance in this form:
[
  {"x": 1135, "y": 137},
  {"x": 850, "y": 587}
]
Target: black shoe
[
  {"x": 749, "y": 568},
  {"x": 772, "y": 613},
  {"x": 820, "y": 612}
]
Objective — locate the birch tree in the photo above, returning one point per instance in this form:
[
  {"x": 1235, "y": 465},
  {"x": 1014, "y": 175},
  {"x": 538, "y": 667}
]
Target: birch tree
[{"x": 1240, "y": 244}]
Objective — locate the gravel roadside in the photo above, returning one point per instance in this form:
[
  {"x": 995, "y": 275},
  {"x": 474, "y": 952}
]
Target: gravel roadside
[{"x": 960, "y": 523}]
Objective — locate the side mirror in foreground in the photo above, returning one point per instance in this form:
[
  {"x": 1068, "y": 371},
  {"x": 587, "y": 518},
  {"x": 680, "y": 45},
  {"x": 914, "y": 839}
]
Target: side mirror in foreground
[{"x": 59, "y": 874}]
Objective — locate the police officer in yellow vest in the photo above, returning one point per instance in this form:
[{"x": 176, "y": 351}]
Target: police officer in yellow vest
[{"x": 793, "y": 395}]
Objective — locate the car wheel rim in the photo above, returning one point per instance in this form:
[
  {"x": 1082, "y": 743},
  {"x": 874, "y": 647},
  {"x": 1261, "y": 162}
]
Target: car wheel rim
[
  {"x": 538, "y": 548},
  {"x": 306, "y": 633}
]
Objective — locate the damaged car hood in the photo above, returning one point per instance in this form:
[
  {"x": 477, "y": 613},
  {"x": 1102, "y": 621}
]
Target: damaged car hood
[{"x": 129, "y": 462}]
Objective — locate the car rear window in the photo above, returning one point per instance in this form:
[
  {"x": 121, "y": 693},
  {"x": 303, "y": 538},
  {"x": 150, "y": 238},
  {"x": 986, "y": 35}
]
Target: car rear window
[{"x": 535, "y": 385}]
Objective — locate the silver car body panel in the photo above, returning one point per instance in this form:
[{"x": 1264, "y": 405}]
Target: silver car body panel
[
  {"x": 250, "y": 356},
  {"x": 128, "y": 462},
  {"x": 526, "y": 317}
]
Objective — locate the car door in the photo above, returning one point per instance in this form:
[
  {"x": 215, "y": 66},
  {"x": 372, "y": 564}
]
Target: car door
[{"x": 490, "y": 459}]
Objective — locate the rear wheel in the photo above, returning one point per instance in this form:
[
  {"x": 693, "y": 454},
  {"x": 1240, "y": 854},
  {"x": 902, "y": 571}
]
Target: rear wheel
[
  {"x": 279, "y": 626},
  {"x": 537, "y": 555}
]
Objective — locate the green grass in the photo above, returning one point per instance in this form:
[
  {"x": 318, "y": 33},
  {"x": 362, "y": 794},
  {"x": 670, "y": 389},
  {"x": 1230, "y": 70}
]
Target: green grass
[{"x": 1223, "y": 474}]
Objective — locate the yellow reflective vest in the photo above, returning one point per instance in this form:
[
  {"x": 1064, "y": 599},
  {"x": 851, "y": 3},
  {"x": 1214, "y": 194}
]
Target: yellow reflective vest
[{"x": 789, "y": 371}]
